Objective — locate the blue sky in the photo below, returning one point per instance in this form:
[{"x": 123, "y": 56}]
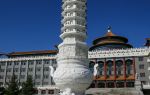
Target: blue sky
[{"x": 27, "y": 25}]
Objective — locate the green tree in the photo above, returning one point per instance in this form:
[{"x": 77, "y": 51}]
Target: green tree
[
  {"x": 28, "y": 87},
  {"x": 12, "y": 87},
  {"x": 2, "y": 89}
]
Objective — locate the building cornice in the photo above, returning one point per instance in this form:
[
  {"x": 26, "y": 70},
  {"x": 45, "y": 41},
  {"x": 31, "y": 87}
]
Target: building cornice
[
  {"x": 28, "y": 58},
  {"x": 132, "y": 52}
]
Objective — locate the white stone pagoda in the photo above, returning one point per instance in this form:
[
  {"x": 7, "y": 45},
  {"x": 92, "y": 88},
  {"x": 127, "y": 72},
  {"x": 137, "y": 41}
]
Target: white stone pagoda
[{"x": 72, "y": 71}]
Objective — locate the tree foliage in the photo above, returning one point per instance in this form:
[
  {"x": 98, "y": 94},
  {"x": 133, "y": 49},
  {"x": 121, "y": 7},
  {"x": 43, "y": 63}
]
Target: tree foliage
[
  {"x": 2, "y": 89},
  {"x": 12, "y": 87},
  {"x": 28, "y": 87}
]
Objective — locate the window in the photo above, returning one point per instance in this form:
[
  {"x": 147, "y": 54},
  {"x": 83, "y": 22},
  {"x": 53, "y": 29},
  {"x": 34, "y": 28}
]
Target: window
[
  {"x": 46, "y": 68},
  {"x": 38, "y": 62},
  {"x": 141, "y": 66},
  {"x": 31, "y": 62},
  {"x": 23, "y": 63},
  {"x": 141, "y": 58},
  {"x": 15, "y": 69},
  {"x": 30, "y": 69},
  {"x": 2, "y": 63},
  {"x": 9, "y": 63},
  {"x": 46, "y": 62},
  {"x": 35, "y": 91},
  {"x": 1, "y": 83},
  {"x": 38, "y": 69},
  {"x": 45, "y": 83},
  {"x": 8, "y": 77},
  {"x": 46, "y": 76},
  {"x": 37, "y": 83},
  {"x": 119, "y": 72},
  {"x": 109, "y": 72},
  {"x": 50, "y": 91},
  {"x": 109, "y": 64},
  {"x": 2, "y": 70},
  {"x": 23, "y": 69},
  {"x": 142, "y": 74},
  {"x": 16, "y": 63},
  {"x": 1, "y": 77},
  {"x": 8, "y": 69},
  {"x": 43, "y": 92},
  {"x": 53, "y": 61},
  {"x": 22, "y": 76},
  {"x": 128, "y": 71},
  {"x": 38, "y": 76},
  {"x": 143, "y": 82}
]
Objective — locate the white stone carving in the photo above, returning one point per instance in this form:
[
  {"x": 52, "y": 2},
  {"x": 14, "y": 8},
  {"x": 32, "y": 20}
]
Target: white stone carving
[
  {"x": 96, "y": 71},
  {"x": 72, "y": 71},
  {"x": 51, "y": 71}
]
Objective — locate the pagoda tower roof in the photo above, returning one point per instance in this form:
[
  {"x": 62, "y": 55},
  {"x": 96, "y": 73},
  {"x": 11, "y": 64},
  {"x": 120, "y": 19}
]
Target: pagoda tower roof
[{"x": 110, "y": 39}]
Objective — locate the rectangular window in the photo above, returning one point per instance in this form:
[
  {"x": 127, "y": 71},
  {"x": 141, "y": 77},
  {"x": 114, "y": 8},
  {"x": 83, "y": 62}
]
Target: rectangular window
[
  {"x": 46, "y": 68},
  {"x": 8, "y": 77},
  {"x": 2, "y": 70},
  {"x": 23, "y": 69},
  {"x": 53, "y": 61},
  {"x": 119, "y": 72},
  {"x": 16, "y": 63},
  {"x": 46, "y": 62},
  {"x": 46, "y": 76},
  {"x": 43, "y": 92},
  {"x": 1, "y": 83},
  {"x": 30, "y": 69},
  {"x": 37, "y": 83},
  {"x": 2, "y": 63},
  {"x": 38, "y": 62},
  {"x": 141, "y": 58},
  {"x": 1, "y": 77},
  {"x": 22, "y": 76},
  {"x": 8, "y": 69},
  {"x": 50, "y": 91},
  {"x": 143, "y": 82},
  {"x": 141, "y": 66},
  {"x": 45, "y": 83},
  {"x": 9, "y": 63},
  {"x": 128, "y": 72},
  {"x": 23, "y": 63},
  {"x": 31, "y": 62},
  {"x": 142, "y": 74},
  {"x": 38, "y": 69},
  {"x": 35, "y": 91},
  {"x": 38, "y": 76},
  {"x": 15, "y": 69}
]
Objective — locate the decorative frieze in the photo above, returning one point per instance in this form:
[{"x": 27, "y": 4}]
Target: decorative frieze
[{"x": 119, "y": 53}]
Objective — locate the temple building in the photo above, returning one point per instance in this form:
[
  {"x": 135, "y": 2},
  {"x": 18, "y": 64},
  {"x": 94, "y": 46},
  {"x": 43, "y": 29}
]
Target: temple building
[
  {"x": 110, "y": 41},
  {"x": 113, "y": 71},
  {"x": 117, "y": 66}
]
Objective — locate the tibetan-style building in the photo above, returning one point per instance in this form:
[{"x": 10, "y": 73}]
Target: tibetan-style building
[
  {"x": 110, "y": 41},
  {"x": 113, "y": 71}
]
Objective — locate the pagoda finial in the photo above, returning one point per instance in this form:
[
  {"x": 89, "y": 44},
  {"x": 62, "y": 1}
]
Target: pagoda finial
[{"x": 109, "y": 28}]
